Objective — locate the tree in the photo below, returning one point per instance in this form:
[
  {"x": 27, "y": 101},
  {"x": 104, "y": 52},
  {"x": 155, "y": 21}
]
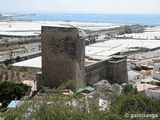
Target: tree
[
  {"x": 8, "y": 61},
  {"x": 10, "y": 91},
  {"x": 129, "y": 89},
  {"x": 121, "y": 33},
  {"x": 17, "y": 59},
  {"x": 128, "y": 30},
  {"x": 54, "y": 107},
  {"x": 134, "y": 103}
]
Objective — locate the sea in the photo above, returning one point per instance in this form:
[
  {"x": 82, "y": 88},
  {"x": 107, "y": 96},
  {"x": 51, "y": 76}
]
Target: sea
[{"x": 141, "y": 19}]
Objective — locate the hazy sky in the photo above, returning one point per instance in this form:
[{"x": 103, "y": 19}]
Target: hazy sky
[{"x": 87, "y": 6}]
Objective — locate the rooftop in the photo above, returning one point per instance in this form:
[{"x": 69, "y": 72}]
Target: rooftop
[
  {"x": 111, "y": 47},
  {"x": 149, "y": 80},
  {"x": 33, "y": 63},
  {"x": 142, "y": 87},
  {"x": 101, "y": 50},
  {"x": 37, "y": 62}
]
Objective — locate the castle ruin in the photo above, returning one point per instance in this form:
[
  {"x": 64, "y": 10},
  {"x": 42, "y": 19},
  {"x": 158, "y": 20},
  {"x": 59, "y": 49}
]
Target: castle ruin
[{"x": 63, "y": 55}]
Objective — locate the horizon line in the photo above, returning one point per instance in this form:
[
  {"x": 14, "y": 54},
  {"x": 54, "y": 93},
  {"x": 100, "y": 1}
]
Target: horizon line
[{"x": 77, "y": 12}]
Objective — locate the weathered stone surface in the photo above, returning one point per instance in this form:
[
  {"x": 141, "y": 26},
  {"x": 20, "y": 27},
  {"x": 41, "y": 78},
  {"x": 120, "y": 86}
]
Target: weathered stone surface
[
  {"x": 95, "y": 72},
  {"x": 116, "y": 71},
  {"x": 116, "y": 88},
  {"x": 102, "y": 85},
  {"x": 62, "y": 57},
  {"x": 113, "y": 69},
  {"x": 63, "y": 61}
]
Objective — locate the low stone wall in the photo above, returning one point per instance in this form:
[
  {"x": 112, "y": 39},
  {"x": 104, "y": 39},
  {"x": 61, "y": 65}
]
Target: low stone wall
[
  {"x": 95, "y": 72},
  {"x": 114, "y": 70}
]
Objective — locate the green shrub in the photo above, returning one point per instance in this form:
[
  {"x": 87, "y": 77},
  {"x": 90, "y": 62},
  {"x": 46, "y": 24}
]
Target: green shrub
[
  {"x": 10, "y": 91},
  {"x": 8, "y": 61},
  {"x": 128, "y": 30},
  {"x": 17, "y": 59}
]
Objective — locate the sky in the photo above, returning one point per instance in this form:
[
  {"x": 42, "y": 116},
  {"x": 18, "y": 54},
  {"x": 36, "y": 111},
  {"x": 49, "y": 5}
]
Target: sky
[{"x": 82, "y": 6}]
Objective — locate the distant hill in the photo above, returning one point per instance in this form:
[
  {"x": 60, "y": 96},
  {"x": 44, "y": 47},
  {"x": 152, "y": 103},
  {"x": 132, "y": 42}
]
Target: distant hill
[{"x": 8, "y": 16}]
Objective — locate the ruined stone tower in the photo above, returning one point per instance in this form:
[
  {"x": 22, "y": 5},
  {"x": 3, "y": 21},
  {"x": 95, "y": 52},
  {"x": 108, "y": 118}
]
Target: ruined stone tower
[{"x": 62, "y": 57}]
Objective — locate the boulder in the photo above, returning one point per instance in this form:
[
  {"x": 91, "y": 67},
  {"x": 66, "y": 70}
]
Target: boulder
[
  {"x": 102, "y": 85},
  {"x": 116, "y": 88}
]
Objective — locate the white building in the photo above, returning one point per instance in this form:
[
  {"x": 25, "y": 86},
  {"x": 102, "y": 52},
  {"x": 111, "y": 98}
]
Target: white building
[
  {"x": 156, "y": 71},
  {"x": 153, "y": 93},
  {"x": 133, "y": 75}
]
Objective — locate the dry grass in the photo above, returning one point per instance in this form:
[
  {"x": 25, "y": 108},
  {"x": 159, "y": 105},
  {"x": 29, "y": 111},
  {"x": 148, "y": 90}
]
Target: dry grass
[{"x": 17, "y": 74}]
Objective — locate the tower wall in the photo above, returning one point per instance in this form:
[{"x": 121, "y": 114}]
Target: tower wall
[
  {"x": 62, "y": 57},
  {"x": 117, "y": 69}
]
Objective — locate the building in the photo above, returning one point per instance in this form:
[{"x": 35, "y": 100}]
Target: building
[
  {"x": 63, "y": 60},
  {"x": 156, "y": 71},
  {"x": 133, "y": 75},
  {"x": 153, "y": 93},
  {"x": 143, "y": 87},
  {"x": 62, "y": 57}
]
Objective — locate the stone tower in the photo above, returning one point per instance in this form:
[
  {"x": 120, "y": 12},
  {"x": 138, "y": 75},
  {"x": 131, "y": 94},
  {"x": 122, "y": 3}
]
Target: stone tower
[
  {"x": 117, "y": 69},
  {"x": 62, "y": 57}
]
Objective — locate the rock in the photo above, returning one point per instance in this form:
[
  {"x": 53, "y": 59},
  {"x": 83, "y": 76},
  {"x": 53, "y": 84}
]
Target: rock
[
  {"x": 102, "y": 85},
  {"x": 123, "y": 84},
  {"x": 116, "y": 88}
]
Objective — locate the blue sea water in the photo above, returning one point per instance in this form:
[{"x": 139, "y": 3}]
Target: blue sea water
[{"x": 141, "y": 19}]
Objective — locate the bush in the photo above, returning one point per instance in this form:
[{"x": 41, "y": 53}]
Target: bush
[
  {"x": 128, "y": 30},
  {"x": 17, "y": 59},
  {"x": 55, "y": 107},
  {"x": 10, "y": 91},
  {"x": 8, "y": 61},
  {"x": 134, "y": 103},
  {"x": 121, "y": 33}
]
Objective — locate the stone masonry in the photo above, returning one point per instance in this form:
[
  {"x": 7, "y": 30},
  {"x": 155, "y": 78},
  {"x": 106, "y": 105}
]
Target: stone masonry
[
  {"x": 113, "y": 70},
  {"x": 62, "y": 57},
  {"x": 63, "y": 54},
  {"x": 116, "y": 70}
]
